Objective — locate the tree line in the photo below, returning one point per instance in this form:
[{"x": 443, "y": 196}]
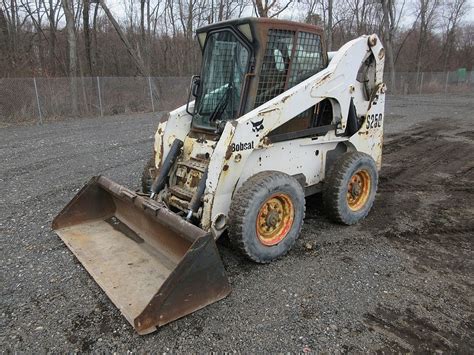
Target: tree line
[{"x": 52, "y": 38}]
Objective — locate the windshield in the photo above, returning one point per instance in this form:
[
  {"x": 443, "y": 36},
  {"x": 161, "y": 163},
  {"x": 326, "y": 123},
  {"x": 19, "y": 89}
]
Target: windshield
[{"x": 225, "y": 62}]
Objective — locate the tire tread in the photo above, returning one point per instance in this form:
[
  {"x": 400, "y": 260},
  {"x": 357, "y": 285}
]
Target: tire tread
[
  {"x": 335, "y": 183},
  {"x": 238, "y": 207}
]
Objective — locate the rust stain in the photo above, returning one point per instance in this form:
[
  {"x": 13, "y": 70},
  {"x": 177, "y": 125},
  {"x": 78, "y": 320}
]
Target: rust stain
[
  {"x": 226, "y": 167},
  {"x": 265, "y": 142},
  {"x": 285, "y": 98},
  {"x": 233, "y": 190},
  {"x": 262, "y": 113},
  {"x": 188, "y": 146},
  {"x": 228, "y": 152},
  {"x": 160, "y": 137},
  {"x": 202, "y": 156},
  {"x": 160, "y": 154},
  {"x": 324, "y": 78}
]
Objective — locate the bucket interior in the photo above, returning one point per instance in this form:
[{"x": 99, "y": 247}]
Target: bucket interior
[{"x": 127, "y": 251}]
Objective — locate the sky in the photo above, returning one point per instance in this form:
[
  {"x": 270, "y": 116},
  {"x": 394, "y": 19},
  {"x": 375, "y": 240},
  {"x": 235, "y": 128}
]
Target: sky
[{"x": 294, "y": 12}]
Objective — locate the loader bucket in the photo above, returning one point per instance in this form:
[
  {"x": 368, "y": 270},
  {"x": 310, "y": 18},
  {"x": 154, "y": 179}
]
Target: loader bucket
[{"x": 153, "y": 265}]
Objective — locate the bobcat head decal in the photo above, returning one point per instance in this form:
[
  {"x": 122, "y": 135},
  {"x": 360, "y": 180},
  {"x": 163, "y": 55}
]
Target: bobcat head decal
[{"x": 257, "y": 126}]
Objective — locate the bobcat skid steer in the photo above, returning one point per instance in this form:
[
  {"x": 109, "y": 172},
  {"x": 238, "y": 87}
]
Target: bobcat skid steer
[{"x": 274, "y": 119}]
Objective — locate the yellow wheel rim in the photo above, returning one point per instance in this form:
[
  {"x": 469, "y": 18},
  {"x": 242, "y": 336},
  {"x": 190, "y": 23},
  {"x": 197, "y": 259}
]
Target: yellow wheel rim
[
  {"x": 275, "y": 219},
  {"x": 358, "y": 190}
]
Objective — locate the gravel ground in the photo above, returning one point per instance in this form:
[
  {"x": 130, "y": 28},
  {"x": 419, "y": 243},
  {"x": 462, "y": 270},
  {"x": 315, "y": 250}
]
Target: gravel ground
[{"x": 399, "y": 281}]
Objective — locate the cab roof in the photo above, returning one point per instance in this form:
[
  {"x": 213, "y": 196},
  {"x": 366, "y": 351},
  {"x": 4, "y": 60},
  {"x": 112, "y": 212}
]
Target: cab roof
[{"x": 262, "y": 23}]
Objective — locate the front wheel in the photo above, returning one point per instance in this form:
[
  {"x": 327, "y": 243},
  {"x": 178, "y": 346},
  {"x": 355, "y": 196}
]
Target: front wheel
[
  {"x": 266, "y": 216},
  {"x": 349, "y": 190}
]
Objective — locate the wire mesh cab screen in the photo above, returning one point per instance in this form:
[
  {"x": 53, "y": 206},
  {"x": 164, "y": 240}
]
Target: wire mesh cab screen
[{"x": 290, "y": 58}]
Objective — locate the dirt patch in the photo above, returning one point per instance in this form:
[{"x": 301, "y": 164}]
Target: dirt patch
[{"x": 425, "y": 208}]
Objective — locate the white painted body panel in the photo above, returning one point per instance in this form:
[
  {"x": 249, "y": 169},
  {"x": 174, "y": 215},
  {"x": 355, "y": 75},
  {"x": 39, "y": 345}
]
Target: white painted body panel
[
  {"x": 228, "y": 169},
  {"x": 177, "y": 125}
]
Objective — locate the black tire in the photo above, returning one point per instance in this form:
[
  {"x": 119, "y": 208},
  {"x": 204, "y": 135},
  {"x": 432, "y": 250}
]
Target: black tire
[
  {"x": 148, "y": 176},
  {"x": 336, "y": 193},
  {"x": 244, "y": 211}
]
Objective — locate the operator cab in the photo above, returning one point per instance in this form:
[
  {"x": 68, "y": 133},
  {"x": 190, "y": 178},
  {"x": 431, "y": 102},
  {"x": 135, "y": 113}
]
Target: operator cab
[{"x": 247, "y": 62}]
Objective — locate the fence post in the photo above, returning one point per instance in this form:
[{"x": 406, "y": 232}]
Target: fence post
[
  {"x": 38, "y": 102},
  {"x": 446, "y": 82},
  {"x": 86, "y": 104},
  {"x": 100, "y": 97},
  {"x": 151, "y": 95},
  {"x": 421, "y": 82}
]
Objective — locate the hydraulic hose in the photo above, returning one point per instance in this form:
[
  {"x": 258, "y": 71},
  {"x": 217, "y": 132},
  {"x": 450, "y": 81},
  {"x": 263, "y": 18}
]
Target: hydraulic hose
[
  {"x": 162, "y": 177},
  {"x": 196, "y": 200}
]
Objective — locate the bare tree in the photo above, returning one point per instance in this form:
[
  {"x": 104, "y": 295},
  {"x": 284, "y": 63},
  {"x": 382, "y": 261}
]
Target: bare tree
[
  {"x": 87, "y": 36},
  {"x": 270, "y": 8},
  {"x": 311, "y": 11},
  {"x": 320, "y": 12},
  {"x": 389, "y": 25},
  {"x": 5, "y": 60},
  {"x": 34, "y": 13},
  {"x": 186, "y": 13},
  {"x": 138, "y": 61},
  {"x": 94, "y": 42},
  {"x": 136, "y": 58},
  {"x": 143, "y": 48},
  {"x": 157, "y": 36},
  {"x": 465, "y": 52},
  {"x": 329, "y": 34},
  {"x": 9, "y": 28},
  {"x": 426, "y": 10},
  {"x": 72, "y": 50},
  {"x": 52, "y": 8},
  {"x": 454, "y": 10}
]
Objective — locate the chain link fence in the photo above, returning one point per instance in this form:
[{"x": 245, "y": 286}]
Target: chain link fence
[
  {"x": 49, "y": 99},
  {"x": 431, "y": 82}
]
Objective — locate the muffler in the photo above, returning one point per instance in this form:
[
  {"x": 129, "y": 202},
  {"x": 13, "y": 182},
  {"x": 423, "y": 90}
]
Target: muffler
[{"x": 154, "y": 265}]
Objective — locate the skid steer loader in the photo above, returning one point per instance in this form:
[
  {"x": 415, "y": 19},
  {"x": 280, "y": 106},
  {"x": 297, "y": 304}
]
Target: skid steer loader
[{"x": 274, "y": 119}]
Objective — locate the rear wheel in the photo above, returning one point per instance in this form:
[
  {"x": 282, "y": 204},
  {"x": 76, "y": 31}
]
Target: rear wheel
[
  {"x": 148, "y": 175},
  {"x": 266, "y": 216},
  {"x": 350, "y": 188}
]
